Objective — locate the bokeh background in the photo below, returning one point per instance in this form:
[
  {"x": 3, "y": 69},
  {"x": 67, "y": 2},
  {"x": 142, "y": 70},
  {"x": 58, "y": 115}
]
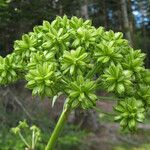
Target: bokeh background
[{"x": 86, "y": 130}]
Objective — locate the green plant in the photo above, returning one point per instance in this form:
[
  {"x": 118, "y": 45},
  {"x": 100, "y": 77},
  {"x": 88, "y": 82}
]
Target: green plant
[
  {"x": 71, "y": 138},
  {"x": 35, "y": 137},
  {"x": 71, "y": 57}
]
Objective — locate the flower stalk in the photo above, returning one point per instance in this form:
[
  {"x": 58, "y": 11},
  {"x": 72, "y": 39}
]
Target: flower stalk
[{"x": 63, "y": 118}]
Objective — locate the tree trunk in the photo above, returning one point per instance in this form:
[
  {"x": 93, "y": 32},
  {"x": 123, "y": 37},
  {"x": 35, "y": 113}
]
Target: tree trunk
[
  {"x": 87, "y": 120},
  {"x": 144, "y": 36},
  {"x": 131, "y": 22},
  {"x": 60, "y": 10},
  {"x": 126, "y": 20},
  {"x": 104, "y": 13},
  {"x": 119, "y": 17},
  {"x": 84, "y": 10}
]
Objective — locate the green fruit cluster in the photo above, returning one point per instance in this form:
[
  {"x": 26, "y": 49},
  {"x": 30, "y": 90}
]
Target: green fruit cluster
[
  {"x": 116, "y": 79},
  {"x": 42, "y": 79},
  {"x": 82, "y": 93},
  {"x": 72, "y": 57},
  {"x": 75, "y": 61},
  {"x": 10, "y": 69},
  {"x": 130, "y": 111}
]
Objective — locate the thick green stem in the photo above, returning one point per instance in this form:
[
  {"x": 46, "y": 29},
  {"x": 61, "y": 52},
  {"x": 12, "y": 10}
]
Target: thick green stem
[{"x": 57, "y": 130}]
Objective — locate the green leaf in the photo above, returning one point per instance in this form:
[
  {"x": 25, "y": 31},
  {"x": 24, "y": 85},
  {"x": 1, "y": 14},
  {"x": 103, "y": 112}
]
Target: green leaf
[
  {"x": 74, "y": 94},
  {"x": 75, "y": 104},
  {"x": 4, "y": 73},
  {"x": 119, "y": 108},
  {"x": 105, "y": 59},
  {"x": 117, "y": 118},
  {"x": 124, "y": 122},
  {"x": 72, "y": 68},
  {"x": 46, "y": 25},
  {"x": 120, "y": 88},
  {"x": 132, "y": 124}
]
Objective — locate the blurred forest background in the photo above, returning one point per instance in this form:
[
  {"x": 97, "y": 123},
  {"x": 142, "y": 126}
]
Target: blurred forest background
[{"x": 92, "y": 130}]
